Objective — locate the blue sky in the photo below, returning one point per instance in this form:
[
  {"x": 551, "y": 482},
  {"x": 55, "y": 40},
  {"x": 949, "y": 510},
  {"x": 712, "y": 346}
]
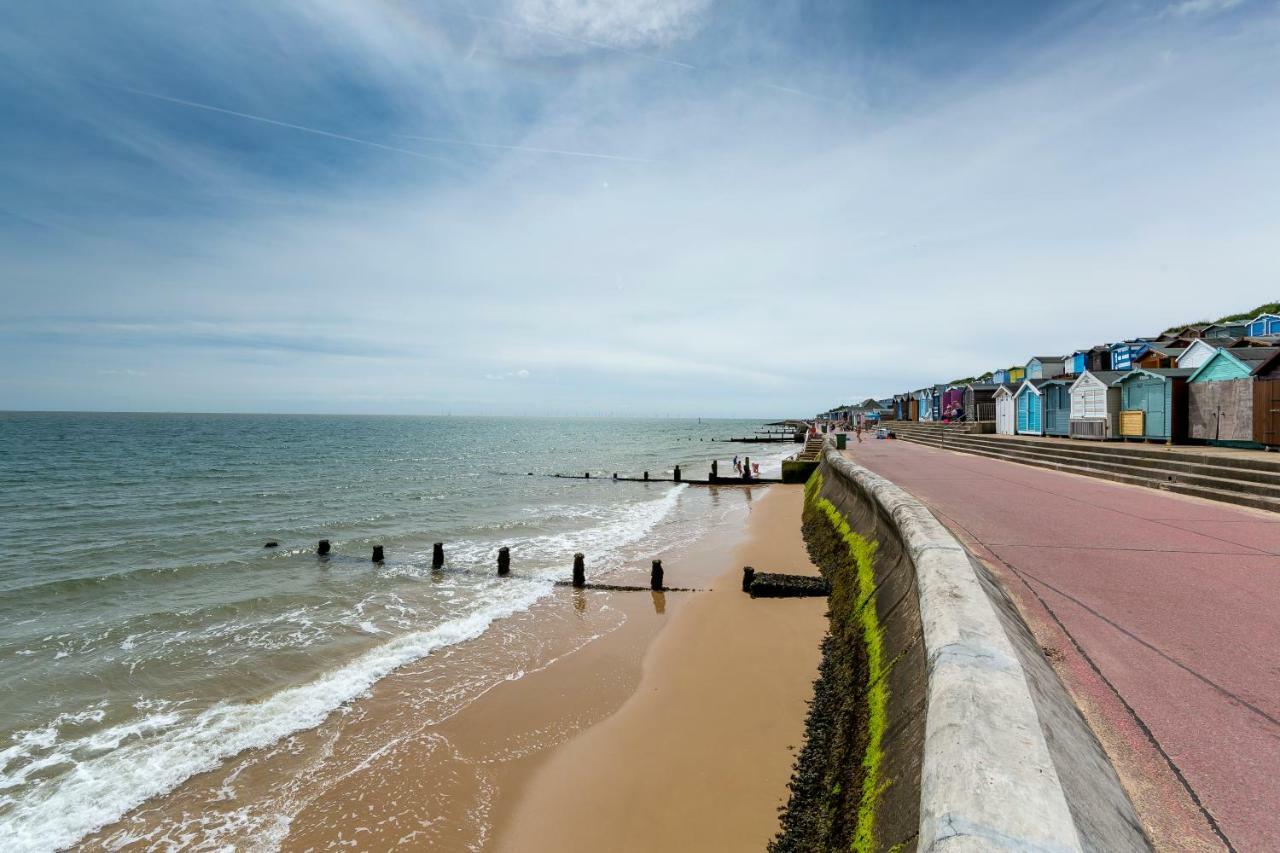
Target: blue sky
[{"x": 550, "y": 207}]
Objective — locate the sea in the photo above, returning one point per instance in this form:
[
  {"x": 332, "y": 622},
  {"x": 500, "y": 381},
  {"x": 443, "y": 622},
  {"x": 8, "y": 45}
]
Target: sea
[{"x": 148, "y": 635}]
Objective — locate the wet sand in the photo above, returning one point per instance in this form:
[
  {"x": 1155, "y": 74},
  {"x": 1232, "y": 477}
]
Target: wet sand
[{"x": 699, "y": 756}]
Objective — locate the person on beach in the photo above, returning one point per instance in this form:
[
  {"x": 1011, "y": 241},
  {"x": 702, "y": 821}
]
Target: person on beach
[
  {"x": 755, "y": 470},
  {"x": 737, "y": 466},
  {"x": 858, "y": 431}
]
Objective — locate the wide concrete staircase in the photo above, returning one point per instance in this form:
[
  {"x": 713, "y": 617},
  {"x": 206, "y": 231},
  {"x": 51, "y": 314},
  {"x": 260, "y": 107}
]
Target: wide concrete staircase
[{"x": 1248, "y": 478}]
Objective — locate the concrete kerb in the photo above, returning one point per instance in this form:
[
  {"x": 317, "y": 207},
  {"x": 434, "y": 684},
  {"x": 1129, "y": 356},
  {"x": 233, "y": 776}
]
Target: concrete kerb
[{"x": 987, "y": 777}]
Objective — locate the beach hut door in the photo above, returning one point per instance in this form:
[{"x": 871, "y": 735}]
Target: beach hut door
[
  {"x": 1266, "y": 412},
  {"x": 1155, "y": 408}
]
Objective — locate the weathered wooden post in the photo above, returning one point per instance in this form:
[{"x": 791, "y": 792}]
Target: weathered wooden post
[
  {"x": 272, "y": 544},
  {"x": 586, "y": 476},
  {"x": 677, "y": 473},
  {"x": 646, "y": 475},
  {"x": 715, "y": 469},
  {"x": 437, "y": 555},
  {"x": 615, "y": 475},
  {"x": 323, "y": 547},
  {"x": 655, "y": 576},
  {"x": 377, "y": 554},
  {"x": 748, "y": 575},
  {"x": 746, "y": 467},
  {"x": 504, "y": 561},
  {"x": 579, "y": 570}
]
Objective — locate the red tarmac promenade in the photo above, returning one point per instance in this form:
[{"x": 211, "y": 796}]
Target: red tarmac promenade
[{"x": 1160, "y": 612}]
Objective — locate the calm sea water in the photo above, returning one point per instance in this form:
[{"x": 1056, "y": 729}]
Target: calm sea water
[{"x": 146, "y": 634}]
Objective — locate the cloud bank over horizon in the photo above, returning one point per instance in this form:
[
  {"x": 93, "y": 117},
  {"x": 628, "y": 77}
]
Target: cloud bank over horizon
[{"x": 554, "y": 207}]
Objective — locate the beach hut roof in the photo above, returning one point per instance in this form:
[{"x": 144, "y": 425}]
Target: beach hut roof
[
  {"x": 1165, "y": 373},
  {"x": 1168, "y": 350},
  {"x": 1106, "y": 377},
  {"x": 1252, "y": 360},
  {"x": 1031, "y": 384}
]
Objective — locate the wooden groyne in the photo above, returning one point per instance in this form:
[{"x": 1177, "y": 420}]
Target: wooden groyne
[{"x": 710, "y": 481}]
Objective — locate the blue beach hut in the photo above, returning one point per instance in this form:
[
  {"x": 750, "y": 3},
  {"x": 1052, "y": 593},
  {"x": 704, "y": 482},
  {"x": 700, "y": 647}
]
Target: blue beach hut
[
  {"x": 1028, "y": 404},
  {"x": 1264, "y": 325},
  {"x": 1056, "y": 396},
  {"x": 1044, "y": 366}
]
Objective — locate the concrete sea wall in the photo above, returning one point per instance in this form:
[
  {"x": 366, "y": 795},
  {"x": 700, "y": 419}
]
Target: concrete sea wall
[{"x": 980, "y": 746}]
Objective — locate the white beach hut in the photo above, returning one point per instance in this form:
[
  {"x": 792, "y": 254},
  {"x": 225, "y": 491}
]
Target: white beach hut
[
  {"x": 1095, "y": 405},
  {"x": 1196, "y": 354},
  {"x": 1006, "y": 418}
]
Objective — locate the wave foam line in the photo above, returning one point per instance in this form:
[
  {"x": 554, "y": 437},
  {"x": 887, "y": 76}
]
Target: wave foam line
[{"x": 101, "y": 790}]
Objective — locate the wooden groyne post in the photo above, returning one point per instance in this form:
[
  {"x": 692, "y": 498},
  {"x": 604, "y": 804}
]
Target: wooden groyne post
[
  {"x": 437, "y": 555},
  {"x": 655, "y": 576},
  {"x": 579, "y": 570},
  {"x": 748, "y": 575},
  {"x": 504, "y": 561},
  {"x": 677, "y": 473},
  {"x": 715, "y": 470},
  {"x": 377, "y": 554},
  {"x": 323, "y": 548}
]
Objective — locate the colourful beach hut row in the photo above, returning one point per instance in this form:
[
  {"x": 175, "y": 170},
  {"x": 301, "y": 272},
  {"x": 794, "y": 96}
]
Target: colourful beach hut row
[{"x": 1141, "y": 388}]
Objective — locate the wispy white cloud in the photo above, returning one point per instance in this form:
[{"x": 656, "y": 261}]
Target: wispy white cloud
[
  {"x": 1184, "y": 8},
  {"x": 629, "y": 25}
]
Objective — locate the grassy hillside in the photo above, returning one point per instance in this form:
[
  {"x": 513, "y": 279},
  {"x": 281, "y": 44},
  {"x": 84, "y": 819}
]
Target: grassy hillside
[{"x": 1268, "y": 308}]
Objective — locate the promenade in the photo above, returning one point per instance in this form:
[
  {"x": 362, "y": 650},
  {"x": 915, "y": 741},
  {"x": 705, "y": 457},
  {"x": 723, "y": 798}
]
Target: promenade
[{"x": 1158, "y": 611}]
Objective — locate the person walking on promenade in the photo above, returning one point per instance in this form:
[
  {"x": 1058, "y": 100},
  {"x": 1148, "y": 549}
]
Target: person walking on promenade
[{"x": 858, "y": 430}]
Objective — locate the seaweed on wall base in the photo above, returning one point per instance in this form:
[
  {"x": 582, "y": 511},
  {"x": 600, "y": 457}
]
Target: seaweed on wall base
[{"x": 837, "y": 781}]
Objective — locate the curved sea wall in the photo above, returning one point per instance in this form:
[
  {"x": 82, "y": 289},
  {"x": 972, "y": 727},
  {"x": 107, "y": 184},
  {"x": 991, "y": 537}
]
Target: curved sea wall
[{"x": 937, "y": 723}]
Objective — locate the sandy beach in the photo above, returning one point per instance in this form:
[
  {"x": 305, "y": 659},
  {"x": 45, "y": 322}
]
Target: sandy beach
[
  {"x": 628, "y": 721},
  {"x": 699, "y": 756}
]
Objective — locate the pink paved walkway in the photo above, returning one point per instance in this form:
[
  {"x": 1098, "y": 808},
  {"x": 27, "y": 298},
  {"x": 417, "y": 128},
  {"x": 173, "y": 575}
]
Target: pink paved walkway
[{"x": 1174, "y": 602}]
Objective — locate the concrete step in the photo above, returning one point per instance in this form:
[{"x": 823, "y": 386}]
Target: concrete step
[
  {"x": 1249, "y": 468},
  {"x": 1225, "y": 490}
]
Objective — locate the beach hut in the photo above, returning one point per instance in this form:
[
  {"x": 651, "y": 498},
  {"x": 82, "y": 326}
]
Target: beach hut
[
  {"x": 1055, "y": 394},
  {"x": 1006, "y": 417},
  {"x": 935, "y": 400},
  {"x": 1221, "y": 399},
  {"x": 1197, "y": 354},
  {"x": 1226, "y": 330},
  {"x": 980, "y": 402},
  {"x": 1159, "y": 355},
  {"x": 1095, "y": 405},
  {"x": 1017, "y": 374},
  {"x": 1266, "y": 403},
  {"x": 1153, "y": 404},
  {"x": 952, "y": 401},
  {"x": 1263, "y": 325},
  {"x": 1000, "y": 377},
  {"x": 924, "y": 404},
  {"x": 1028, "y": 404},
  {"x": 1125, "y": 355},
  {"x": 1044, "y": 367}
]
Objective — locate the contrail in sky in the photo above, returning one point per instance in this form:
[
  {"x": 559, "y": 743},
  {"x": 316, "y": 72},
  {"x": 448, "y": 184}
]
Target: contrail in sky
[
  {"x": 330, "y": 135},
  {"x": 444, "y": 141},
  {"x": 312, "y": 130}
]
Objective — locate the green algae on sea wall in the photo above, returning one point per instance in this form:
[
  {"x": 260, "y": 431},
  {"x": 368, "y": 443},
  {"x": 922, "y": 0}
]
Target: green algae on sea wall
[{"x": 838, "y": 779}]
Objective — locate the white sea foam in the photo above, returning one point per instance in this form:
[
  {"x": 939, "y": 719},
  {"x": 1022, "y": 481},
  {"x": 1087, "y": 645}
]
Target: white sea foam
[{"x": 123, "y": 766}]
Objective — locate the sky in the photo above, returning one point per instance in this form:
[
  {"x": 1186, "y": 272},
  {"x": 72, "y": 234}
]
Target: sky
[{"x": 615, "y": 207}]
